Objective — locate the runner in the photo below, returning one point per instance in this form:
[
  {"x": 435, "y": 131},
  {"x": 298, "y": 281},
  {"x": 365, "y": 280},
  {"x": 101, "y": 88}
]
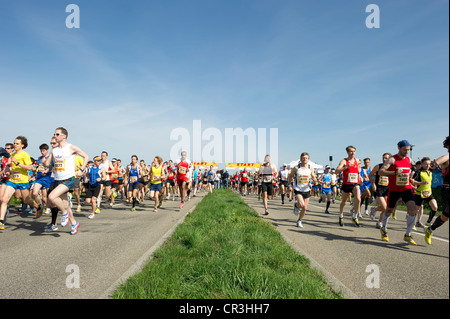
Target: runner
[
  {"x": 143, "y": 181},
  {"x": 170, "y": 180},
  {"x": 366, "y": 195},
  {"x": 133, "y": 173},
  {"x": 284, "y": 173},
  {"x": 5, "y": 170},
  {"x": 326, "y": 180},
  {"x": 267, "y": 172},
  {"x": 398, "y": 169},
  {"x": 300, "y": 177},
  {"x": 424, "y": 192},
  {"x": 333, "y": 184},
  {"x": 20, "y": 163},
  {"x": 243, "y": 182},
  {"x": 106, "y": 184},
  {"x": 380, "y": 186},
  {"x": 64, "y": 174},
  {"x": 43, "y": 181},
  {"x": 182, "y": 165},
  {"x": 156, "y": 176},
  {"x": 350, "y": 168},
  {"x": 211, "y": 178},
  {"x": 95, "y": 175},
  {"x": 443, "y": 162}
]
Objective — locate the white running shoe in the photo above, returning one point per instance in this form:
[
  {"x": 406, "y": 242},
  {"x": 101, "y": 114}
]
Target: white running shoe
[{"x": 65, "y": 219}]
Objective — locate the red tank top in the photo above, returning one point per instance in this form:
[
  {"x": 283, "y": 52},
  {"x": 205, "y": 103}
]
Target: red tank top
[
  {"x": 400, "y": 182},
  {"x": 351, "y": 175},
  {"x": 183, "y": 168}
]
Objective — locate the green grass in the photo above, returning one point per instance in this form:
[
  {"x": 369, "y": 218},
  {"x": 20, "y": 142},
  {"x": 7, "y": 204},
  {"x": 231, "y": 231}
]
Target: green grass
[{"x": 223, "y": 250}]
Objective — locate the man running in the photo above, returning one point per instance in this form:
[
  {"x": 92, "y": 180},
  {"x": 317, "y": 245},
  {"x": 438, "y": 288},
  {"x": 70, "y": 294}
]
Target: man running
[
  {"x": 443, "y": 162},
  {"x": 398, "y": 169},
  {"x": 20, "y": 163},
  {"x": 381, "y": 188},
  {"x": 267, "y": 171},
  {"x": 350, "y": 168},
  {"x": 325, "y": 180},
  {"x": 63, "y": 157},
  {"x": 300, "y": 176}
]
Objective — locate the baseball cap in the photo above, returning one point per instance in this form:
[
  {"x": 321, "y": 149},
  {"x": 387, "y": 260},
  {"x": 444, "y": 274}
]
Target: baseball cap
[
  {"x": 97, "y": 158},
  {"x": 403, "y": 143}
]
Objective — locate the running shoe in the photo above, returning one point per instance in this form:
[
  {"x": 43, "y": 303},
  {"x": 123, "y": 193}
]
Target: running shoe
[
  {"x": 295, "y": 210},
  {"x": 50, "y": 228},
  {"x": 356, "y": 222},
  {"x": 384, "y": 235},
  {"x": 75, "y": 229},
  {"x": 91, "y": 216},
  {"x": 299, "y": 224},
  {"x": 428, "y": 235},
  {"x": 373, "y": 211},
  {"x": 266, "y": 212},
  {"x": 78, "y": 208},
  {"x": 2, "y": 227},
  {"x": 327, "y": 212},
  {"x": 155, "y": 209},
  {"x": 133, "y": 209},
  {"x": 65, "y": 219},
  {"x": 181, "y": 205},
  {"x": 394, "y": 215},
  {"x": 409, "y": 239},
  {"x": 40, "y": 211},
  {"x": 341, "y": 221}
]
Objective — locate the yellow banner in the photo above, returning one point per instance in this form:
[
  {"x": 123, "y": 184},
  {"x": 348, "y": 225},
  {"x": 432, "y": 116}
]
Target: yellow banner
[
  {"x": 205, "y": 164},
  {"x": 242, "y": 165}
]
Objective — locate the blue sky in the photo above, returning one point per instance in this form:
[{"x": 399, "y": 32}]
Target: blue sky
[{"x": 136, "y": 70}]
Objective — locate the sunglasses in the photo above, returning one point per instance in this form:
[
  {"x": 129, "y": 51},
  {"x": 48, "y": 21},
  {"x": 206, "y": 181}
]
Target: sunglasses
[{"x": 58, "y": 134}]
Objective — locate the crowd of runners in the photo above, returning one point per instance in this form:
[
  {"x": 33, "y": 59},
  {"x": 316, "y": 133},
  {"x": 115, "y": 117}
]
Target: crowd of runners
[{"x": 47, "y": 184}]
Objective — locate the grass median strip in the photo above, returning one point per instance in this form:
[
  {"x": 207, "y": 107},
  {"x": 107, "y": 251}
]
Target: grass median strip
[{"x": 223, "y": 250}]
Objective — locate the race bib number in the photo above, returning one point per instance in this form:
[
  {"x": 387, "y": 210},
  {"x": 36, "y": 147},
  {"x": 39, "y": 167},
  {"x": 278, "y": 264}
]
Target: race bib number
[
  {"x": 326, "y": 185},
  {"x": 352, "y": 178},
  {"x": 41, "y": 168},
  {"x": 60, "y": 165},
  {"x": 133, "y": 179},
  {"x": 16, "y": 176},
  {"x": 182, "y": 169},
  {"x": 156, "y": 177},
  {"x": 425, "y": 193},
  {"x": 303, "y": 179},
  {"x": 402, "y": 179},
  {"x": 268, "y": 178},
  {"x": 383, "y": 181},
  {"x": 114, "y": 177}
]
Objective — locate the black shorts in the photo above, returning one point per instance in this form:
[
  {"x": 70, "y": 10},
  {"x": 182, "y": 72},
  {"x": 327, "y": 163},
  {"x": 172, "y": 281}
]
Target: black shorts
[
  {"x": 171, "y": 182},
  {"x": 419, "y": 200},
  {"x": 348, "y": 188},
  {"x": 305, "y": 195},
  {"x": 93, "y": 191},
  {"x": 106, "y": 183},
  {"x": 284, "y": 183},
  {"x": 267, "y": 187},
  {"x": 66, "y": 182},
  {"x": 393, "y": 197},
  {"x": 382, "y": 191}
]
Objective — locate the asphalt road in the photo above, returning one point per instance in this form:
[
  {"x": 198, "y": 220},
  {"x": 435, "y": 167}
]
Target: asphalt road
[
  {"x": 116, "y": 243},
  {"x": 107, "y": 249},
  {"x": 356, "y": 260}
]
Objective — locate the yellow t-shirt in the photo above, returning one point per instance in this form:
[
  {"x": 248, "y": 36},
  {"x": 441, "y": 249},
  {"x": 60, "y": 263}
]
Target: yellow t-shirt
[
  {"x": 78, "y": 162},
  {"x": 156, "y": 175},
  {"x": 19, "y": 175}
]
